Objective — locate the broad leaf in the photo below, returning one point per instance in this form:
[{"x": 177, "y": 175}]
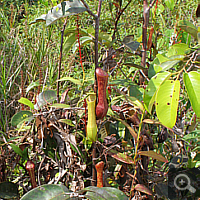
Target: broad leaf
[
  {"x": 170, "y": 4},
  {"x": 143, "y": 188},
  {"x": 9, "y": 190},
  {"x": 104, "y": 193},
  {"x": 64, "y": 9},
  {"x": 192, "y": 84},
  {"x": 151, "y": 89},
  {"x": 121, "y": 157},
  {"x": 48, "y": 192},
  {"x": 27, "y": 102},
  {"x": 177, "y": 50},
  {"x": 169, "y": 64},
  {"x": 153, "y": 155},
  {"x": 16, "y": 149},
  {"x": 167, "y": 102},
  {"x": 73, "y": 80},
  {"x": 45, "y": 98},
  {"x": 21, "y": 117},
  {"x": 132, "y": 45},
  {"x": 69, "y": 42},
  {"x": 188, "y": 27}
]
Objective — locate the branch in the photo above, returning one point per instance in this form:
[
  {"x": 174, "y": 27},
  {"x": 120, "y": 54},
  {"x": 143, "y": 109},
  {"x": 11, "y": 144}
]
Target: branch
[
  {"x": 118, "y": 17},
  {"x": 88, "y": 9}
]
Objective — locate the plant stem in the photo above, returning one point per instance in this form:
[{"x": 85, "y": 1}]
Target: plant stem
[
  {"x": 60, "y": 60},
  {"x": 93, "y": 164},
  {"x": 146, "y": 11},
  {"x": 138, "y": 137}
]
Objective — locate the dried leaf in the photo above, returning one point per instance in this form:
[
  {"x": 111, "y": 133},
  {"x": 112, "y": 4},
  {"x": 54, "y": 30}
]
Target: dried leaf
[
  {"x": 143, "y": 188},
  {"x": 154, "y": 155}
]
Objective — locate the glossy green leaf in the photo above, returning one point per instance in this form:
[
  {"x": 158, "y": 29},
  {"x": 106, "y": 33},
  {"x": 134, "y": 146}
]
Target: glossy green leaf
[
  {"x": 169, "y": 64},
  {"x": 64, "y": 9},
  {"x": 177, "y": 49},
  {"x": 16, "y": 149},
  {"x": 153, "y": 155},
  {"x": 170, "y": 4},
  {"x": 121, "y": 157},
  {"x": 27, "y": 102},
  {"x": 48, "y": 192},
  {"x": 188, "y": 27},
  {"x": 8, "y": 190},
  {"x": 167, "y": 102},
  {"x": 143, "y": 188},
  {"x": 151, "y": 89},
  {"x": 45, "y": 98},
  {"x": 20, "y": 117},
  {"x": 104, "y": 193},
  {"x": 192, "y": 84},
  {"x": 73, "y": 80}
]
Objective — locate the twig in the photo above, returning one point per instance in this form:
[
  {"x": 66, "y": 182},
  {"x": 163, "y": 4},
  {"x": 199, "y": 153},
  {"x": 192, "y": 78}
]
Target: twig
[
  {"x": 60, "y": 59},
  {"x": 88, "y": 9},
  {"x": 117, "y": 19}
]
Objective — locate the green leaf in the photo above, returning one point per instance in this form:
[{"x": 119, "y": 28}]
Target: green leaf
[
  {"x": 73, "y": 80},
  {"x": 188, "y": 27},
  {"x": 168, "y": 64},
  {"x": 167, "y": 102},
  {"x": 177, "y": 49},
  {"x": 162, "y": 58},
  {"x": 69, "y": 42},
  {"x": 104, "y": 193},
  {"x": 44, "y": 98},
  {"x": 136, "y": 91},
  {"x": 9, "y": 190},
  {"x": 170, "y": 4},
  {"x": 153, "y": 155},
  {"x": 192, "y": 84},
  {"x": 133, "y": 46},
  {"x": 64, "y": 9},
  {"x": 48, "y": 192},
  {"x": 20, "y": 117},
  {"x": 16, "y": 149},
  {"x": 32, "y": 85},
  {"x": 66, "y": 121},
  {"x": 60, "y": 105},
  {"x": 151, "y": 89},
  {"x": 143, "y": 188},
  {"x": 27, "y": 102}
]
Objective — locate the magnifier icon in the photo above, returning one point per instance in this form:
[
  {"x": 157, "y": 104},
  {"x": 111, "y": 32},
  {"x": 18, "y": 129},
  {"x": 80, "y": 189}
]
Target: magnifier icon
[{"x": 182, "y": 182}]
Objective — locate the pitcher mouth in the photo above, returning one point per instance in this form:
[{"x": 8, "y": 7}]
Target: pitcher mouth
[{"x": 91, "y": 98}]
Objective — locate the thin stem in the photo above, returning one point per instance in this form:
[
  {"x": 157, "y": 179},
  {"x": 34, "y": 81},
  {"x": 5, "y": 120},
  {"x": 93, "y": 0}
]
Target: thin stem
[
  {"x": 88, "y": 9},
  {"x": 60, "y": 60},
  {"x": 138, "y": 138},
  {"x": 117, "y": 19}
]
